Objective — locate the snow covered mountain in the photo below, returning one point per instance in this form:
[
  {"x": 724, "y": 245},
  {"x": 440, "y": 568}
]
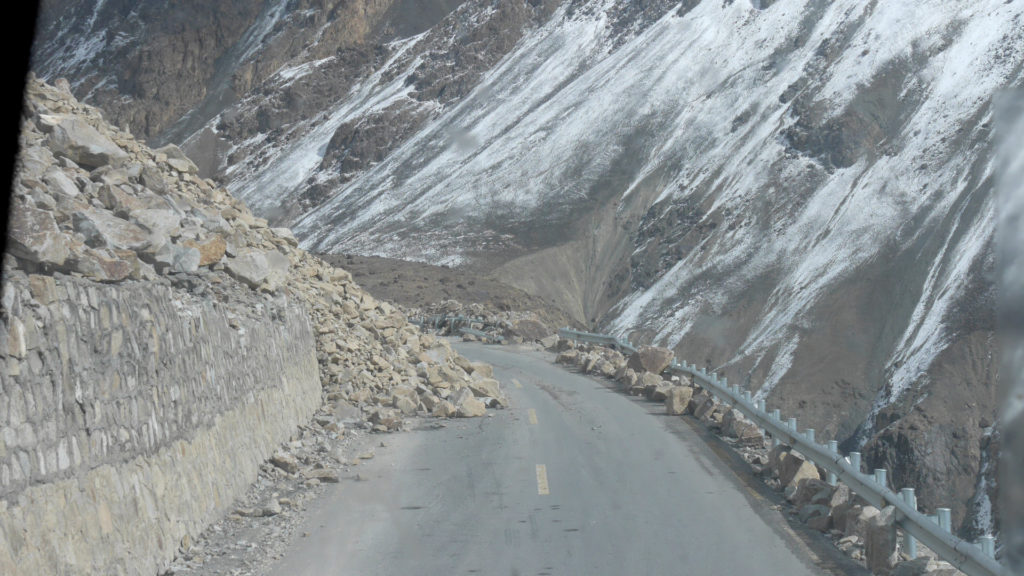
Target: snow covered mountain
[{"x": 798, "y": 193}]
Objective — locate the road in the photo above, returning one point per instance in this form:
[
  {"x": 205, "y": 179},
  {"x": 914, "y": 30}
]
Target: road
[{"x": 573, "y": 478}]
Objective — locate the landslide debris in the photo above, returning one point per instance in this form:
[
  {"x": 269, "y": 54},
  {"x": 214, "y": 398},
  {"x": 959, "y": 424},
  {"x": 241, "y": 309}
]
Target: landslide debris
[{"x": 91, "y": 201}]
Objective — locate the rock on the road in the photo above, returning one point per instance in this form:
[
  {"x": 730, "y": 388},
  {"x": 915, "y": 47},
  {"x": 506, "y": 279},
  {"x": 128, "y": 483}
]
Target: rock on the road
[{"x": 650, "y": 359}]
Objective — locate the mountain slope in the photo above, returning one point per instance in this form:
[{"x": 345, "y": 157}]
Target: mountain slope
[{"x": 797, "y": 193}]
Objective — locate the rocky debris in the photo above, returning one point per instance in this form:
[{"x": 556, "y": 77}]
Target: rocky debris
[
  {"x": 90, "y": 200},
  {"x": 500, "y": 326},
  {"x": 863, "y": 532},
  {"x": 84, "y": 209}
]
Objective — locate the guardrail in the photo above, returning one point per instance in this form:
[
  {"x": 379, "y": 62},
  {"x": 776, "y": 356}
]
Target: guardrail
[{"x": 933, "y": 531}]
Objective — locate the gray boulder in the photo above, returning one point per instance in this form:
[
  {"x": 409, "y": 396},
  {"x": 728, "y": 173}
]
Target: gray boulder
[
  {"x": 73, "y": 138},
  {"x": 250, "y": 267},
  {"x": 59, "y": 184},
  {"x": 177, "y": 259},
  {"x": 103, "y": 229},
  {"x": 34, "y": 236}
]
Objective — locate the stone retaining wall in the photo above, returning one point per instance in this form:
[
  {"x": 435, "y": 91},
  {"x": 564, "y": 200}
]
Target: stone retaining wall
[{"x": 132, "y": 415}]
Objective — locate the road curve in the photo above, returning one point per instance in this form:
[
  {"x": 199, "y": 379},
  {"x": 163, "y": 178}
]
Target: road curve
[{"x": 574, "y": 478}]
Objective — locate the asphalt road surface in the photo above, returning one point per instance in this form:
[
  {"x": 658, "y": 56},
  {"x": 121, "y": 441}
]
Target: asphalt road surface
[{"x": 574, "y": 478}]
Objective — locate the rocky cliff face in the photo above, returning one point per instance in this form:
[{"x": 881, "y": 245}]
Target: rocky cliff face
[{"x": 797, "y": 193}]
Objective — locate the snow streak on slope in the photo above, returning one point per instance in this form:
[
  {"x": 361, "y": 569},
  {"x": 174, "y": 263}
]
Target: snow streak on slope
[
  {"x": 809, "y": 139},
  {"x": 292, "y": 166}
]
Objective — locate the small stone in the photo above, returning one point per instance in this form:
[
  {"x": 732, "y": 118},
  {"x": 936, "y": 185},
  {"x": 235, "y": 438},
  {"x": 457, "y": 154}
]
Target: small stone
[
  {"x": 323, "y": 475},
  {"x": 273, "y": 508}
]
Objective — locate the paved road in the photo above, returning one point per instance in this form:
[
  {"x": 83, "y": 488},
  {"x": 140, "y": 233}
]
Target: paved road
[{"x": 573, "y": 479}]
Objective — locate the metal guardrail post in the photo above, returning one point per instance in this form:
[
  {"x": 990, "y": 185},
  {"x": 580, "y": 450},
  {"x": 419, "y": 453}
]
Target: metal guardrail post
[
  {"x": 945, "y": 518},
  {"x": 881, "y": 479},
  {"x": 988, "y": 545},
  {"x": 911, "y": 544},
  {"x": 810, "y": 434},
  {"x": 833, "y": 447},
  {"x": 855, "y": 461}
]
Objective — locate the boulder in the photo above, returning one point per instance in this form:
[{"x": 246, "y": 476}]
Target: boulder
[
  {"x": 628, "y": 378},
  {"x": 794, "y": 468},
  {"x": 121, "y": 203},
  {"x": 481, "y": 369},
  {"x": 660, "y": 392},
  {"x": 286, "y": 235},
  {"x": 177, "y": 159},
  {"x": 33, "y": 236},
  {"x": 748, "y": 434},
  {"x": 529, "y": 329},
  {"x": 564, "y": 344},
  {"x": 250, "y": 267},
  {"x": 880, "y": 542},
  {"x": 568, "y": 357},
  {"x": 917, "y": 567},
  {"x": 104, "y": 230},
  {"x": 104, "y": 266},
  {"x": 405, "y": 405},
  {"x": 160, "y": 222},
  {"x": 811, "y": 490},
  {"x": 444, "y": 409},
  {"x": 59, "y": 183},
  {"x": 809, "y": 511},
  {"x": 858, "y": 519},
  {"x": 652, "y": 359},
  {"x": 549, "y": 342},
  {"x": 839, "y": 496},
  {"x": 323, "y": 475},
  {"x": 211, "y": 249},
  {"x": 173, "y": 258},
  {"x": 485, "y": 388},
  {"x": 604, "y": 368},
  {"x": 73, "y": 138},
  {"x": 821, "y": 523},
  {"x": 703, "y": 403},
  {"x": 464, "y": 363},
  {"x": 678, "y": 399},
  {"x": 470, "y": 407},
  {"x": 386, "y": 418},
  {"x": 285, "y": 461}
]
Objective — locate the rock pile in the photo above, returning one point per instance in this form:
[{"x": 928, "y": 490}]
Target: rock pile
[
  {"x": 860, "y": 530},
  {"x": 506, "y": 326},
  {"x": 91, "y": 201}
]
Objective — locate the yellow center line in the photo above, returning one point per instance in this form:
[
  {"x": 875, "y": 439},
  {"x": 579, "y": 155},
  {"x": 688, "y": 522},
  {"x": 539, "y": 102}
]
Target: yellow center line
[
  {"x": 532, "y": 415},
  {"x": 516, "y": 382},
  {"x": 542, "y": 480}
]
